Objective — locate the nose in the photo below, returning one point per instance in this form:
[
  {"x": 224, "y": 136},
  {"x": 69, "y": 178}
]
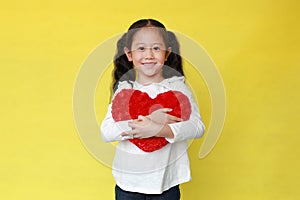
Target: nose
[{"x": 149, "y": 53}]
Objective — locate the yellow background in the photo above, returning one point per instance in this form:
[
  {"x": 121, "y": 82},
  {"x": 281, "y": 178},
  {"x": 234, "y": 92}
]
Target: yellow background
[{"x": 255, "y": 45}]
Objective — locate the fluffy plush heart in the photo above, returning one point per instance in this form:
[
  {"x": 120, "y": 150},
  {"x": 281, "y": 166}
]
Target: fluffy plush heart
[{"x": 129, "y": 104}]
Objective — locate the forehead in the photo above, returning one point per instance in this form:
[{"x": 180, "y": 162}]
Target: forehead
[{"x": 148, "y": 35}]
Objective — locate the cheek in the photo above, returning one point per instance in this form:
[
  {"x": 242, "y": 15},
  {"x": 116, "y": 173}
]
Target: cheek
[
  {"x": 161, "y": 58},
  {"x": 137, "y": 57}
]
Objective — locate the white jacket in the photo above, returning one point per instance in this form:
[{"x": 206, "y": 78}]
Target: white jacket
[{"x": 152, "y": 173}]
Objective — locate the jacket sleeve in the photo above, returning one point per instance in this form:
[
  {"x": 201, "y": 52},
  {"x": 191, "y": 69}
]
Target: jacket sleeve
[
  {"x": 191, "y": 128},
  {"x": 111, "y": 130}
]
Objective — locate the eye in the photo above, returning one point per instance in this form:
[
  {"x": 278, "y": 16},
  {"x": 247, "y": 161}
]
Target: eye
[
  {"x": 141, "y": 48},
  {"x": 156, "y": 48}
]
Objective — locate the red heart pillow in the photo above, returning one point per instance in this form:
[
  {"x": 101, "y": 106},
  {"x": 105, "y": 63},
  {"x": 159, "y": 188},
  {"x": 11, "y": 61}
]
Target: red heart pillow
[{"x": 129, "y": 104}]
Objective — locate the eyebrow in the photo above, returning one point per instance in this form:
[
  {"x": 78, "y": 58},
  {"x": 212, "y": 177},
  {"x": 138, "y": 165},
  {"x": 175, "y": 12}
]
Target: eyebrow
[{"x": 152, "y": 43}]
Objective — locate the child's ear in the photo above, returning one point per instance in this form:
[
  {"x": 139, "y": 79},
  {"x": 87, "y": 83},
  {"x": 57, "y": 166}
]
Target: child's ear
[
  {"x": 128, "y": 54},
  {"x": 168, "y": 52}
]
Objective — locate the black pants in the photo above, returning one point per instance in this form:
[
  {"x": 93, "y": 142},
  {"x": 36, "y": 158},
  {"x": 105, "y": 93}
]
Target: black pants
[{"x": 170, "y": 194}]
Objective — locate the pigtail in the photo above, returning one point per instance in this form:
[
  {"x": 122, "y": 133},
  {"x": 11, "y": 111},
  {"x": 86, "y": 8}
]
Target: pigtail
[
  {"x": 123, "y": 69},
  {"x": 174, "y": 60}
]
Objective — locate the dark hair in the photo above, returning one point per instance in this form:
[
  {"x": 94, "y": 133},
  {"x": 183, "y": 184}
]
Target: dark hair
[{"x": 123, "y": 69}]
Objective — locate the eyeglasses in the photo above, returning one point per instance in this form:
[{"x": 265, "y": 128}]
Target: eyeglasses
[{"x": 155, "y": 48}]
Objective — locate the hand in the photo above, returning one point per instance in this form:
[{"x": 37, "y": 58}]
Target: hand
[
  {"x": 161, "y": 116},
  {"x": 143, "y": 127}
]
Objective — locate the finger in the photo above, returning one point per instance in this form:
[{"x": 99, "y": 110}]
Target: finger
[
  {"x": 141, "y": 117},
  {"x": 165, "y": 110},
  {"x": 127, "y": 135},
  {"x": 124, "y": 134},
  {"x": 132, "y": 132},
  {"x": 132, "y": 124},
  {"x": 144, "y": 119},
  {"x": 137, "y": 135},
  {"x": 134, "y": 136},
  {"x": 174, "y": 118}
]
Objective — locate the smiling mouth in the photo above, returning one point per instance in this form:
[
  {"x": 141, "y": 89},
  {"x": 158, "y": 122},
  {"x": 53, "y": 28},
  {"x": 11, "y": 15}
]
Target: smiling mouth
[{"x": 149, "y": 64}]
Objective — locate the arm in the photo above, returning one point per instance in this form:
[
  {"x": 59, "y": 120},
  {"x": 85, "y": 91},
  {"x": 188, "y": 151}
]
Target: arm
[
  {"x": 161, "y": 124},
  {"x": 173, "y": 130},
  {"x": 111, "y": 130},
  {"x": 144, "y": 127},
  {"x": 193, "y": 127}
]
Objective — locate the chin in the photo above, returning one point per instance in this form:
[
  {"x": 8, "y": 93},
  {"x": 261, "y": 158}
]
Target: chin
[{"x": 151, "y": 74}]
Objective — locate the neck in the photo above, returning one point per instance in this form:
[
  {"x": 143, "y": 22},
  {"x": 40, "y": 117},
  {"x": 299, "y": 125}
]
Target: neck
[{"x": 148, "y": 80}]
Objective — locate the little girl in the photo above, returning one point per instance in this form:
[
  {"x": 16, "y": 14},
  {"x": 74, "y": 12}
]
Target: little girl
[{"x": 152, "y": 114}]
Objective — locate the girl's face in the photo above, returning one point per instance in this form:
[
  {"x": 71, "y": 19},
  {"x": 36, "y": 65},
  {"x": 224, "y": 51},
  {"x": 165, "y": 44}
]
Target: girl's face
[{"x": 148, "y": 54}]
